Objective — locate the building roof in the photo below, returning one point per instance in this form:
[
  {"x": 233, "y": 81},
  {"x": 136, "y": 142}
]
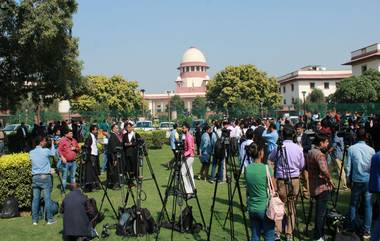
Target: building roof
[
  {"x": 364, "y": 54},
  {"x": 193, "y": 55},
  {"x": 312, "y": 74}
]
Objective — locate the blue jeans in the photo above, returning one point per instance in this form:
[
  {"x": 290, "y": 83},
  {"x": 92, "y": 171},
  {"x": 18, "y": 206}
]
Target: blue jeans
[
  {"x": 360, "y": 189},
  {"x": 41, "y": 183},
  {"x": 220, "y": 169},
  {"x": 68, "y": 168},
  {"x": 261, "y": 224},
  {"x": 375, "y": 234},
  {"x": 105, "y": 158}
]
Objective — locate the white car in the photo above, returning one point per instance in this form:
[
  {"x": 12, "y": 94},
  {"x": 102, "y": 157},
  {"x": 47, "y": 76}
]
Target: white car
[
  {"x": 166, "y": 126},
  {"x": 144, "y": 125}
]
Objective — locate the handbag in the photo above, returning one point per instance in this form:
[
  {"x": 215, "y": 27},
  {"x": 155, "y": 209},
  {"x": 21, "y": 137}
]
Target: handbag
[{"x": 276, "y": 208}]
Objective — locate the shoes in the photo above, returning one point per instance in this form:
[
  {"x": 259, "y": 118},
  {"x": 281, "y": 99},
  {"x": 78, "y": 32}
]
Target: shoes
[
  {"x": 35, "y": 223},
  {"x": 277, "y": 237},
  {"x": 366, "y": 236},
  {"x": 320, "y": 239},
  {"x": 289, "y": 237},
  {"x": 190, "y": 196},
  {"x": 51, "y": 222},
  {"x": 211, "y": 181}
]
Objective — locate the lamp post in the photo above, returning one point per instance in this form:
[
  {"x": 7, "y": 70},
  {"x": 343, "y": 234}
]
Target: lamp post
[
  {"x": 304, "y": 107},
  {"x": 261, "y": 108},
  {"x": 142, "y": 102},
  {"x": 168, "y": 92}
]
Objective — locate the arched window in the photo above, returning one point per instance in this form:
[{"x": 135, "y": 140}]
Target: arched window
[{"x": 192, "y": 68}]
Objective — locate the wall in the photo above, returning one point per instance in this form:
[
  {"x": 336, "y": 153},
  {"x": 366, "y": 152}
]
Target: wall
[{"x": 373, "y": 64}]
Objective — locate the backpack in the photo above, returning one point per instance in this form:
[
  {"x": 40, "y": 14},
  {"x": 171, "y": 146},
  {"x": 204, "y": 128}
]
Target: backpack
[
  {"x": 93, "y": 213},
  {"x": 134, "y": 222},
  {"x": 219, "y": 149},
  {"x": 346, "y": 236},
  {"x": 10, "y": 208},
  {"x": 186, "y": 219},
  {"x": 54, "y": 207}
]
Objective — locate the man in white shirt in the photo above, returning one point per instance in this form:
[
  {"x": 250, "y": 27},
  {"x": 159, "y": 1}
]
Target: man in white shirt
[{"x": 92, "y": 166}]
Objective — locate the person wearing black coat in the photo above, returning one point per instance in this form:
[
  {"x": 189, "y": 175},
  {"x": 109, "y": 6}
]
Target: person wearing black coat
[
  {"x": 115, "y": 157},
  {"x": 91, "y": 165},
  {"x": 76, "y": 223},
  {"x": 130, "y": 151}
]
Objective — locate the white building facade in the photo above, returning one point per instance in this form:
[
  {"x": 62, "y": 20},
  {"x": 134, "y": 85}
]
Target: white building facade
[
  {"x": 364, "y": 59},
  {"x": 306, "y": 79}
]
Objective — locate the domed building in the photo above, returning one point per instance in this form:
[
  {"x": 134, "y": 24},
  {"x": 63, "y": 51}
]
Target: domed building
[{"x": 190, "y": 83}]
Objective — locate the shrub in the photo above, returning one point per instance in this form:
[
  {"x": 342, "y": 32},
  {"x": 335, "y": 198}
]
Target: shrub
[
  {"x": 154, "y": 139},
  {"x": 16, "y": 178}
]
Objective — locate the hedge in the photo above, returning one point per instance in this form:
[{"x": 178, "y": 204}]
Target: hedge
[
  {"x": 154, "y": 139},
  {"x": 16, "y": 179}
]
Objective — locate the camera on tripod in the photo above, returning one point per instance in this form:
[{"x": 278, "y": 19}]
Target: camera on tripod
[
  {"x": 226, "y": 133},
  {"x": 179, "y": 145},
  {"x": 117, "y": 151},
  {"x": 347, "y": 135}
]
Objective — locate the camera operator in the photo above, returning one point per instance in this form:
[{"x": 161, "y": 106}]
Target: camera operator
[
  {"x": 130, "y": 151},
  {"x": 115, "y": 157},
  {"x": 41, "y": 177},
  {"x": 271, "y": 136},
  {"x": 76, "y": 223},
  {"x": 357, "y": 168},
  {"x": 320, "y": 183},
  {"x": 217, "y": 159},
  {"x": 189, "y": 159},
  {"x": 91, "y": 165},
  {"x": 68, "y": 149},
  {"x": 173, "y": 138},
  {"x": 289, "y": 163},
  {"x": 257, "y": 186}
]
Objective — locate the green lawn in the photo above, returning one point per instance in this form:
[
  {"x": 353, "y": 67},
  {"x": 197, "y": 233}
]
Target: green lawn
[{"x": 21, "y": 228}]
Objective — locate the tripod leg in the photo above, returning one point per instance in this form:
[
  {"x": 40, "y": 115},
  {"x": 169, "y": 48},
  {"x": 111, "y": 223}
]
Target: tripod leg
[
  {"x": 242, "y": 209},
  {"x": 230, "y": 204},
  {"x": 212, "y": 210}
]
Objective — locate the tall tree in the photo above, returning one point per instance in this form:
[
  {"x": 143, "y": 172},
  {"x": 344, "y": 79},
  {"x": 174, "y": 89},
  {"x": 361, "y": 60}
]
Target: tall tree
[
  {"x": 358, "y": 89},
  {"x": 114, "y": 94},
  {"x": 177, "y": 104},
  {"x": 245, "y": 82},
  {"x": 199, "y": 107},
  {"x": 44, "y": 55}
]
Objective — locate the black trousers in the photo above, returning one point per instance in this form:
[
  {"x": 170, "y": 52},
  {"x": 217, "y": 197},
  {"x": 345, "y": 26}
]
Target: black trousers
[
  {"x": 320, "y": 214},
  {"x": 131, "y": 165},
  {"x": 92, "y": 170}
]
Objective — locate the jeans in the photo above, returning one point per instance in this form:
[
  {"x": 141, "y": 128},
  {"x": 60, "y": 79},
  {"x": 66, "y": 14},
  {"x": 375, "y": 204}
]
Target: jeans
[
  {"x": 360, "y": 189},
  {"x": 320, "y": 214},
  {"x": 260, "y": 223},
  {"x": 68, "y": 168},
  {"x": 216, "y": 162},
  {"x": 105, "y": 158},
  {"x": 41, "y": 183},
  {"x": 375, "y": 234},
  {"x": 1, "y": 148}
]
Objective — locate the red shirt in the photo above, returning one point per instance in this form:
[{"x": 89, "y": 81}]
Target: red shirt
[
  {"x": 65, "y": 148},
  {"x": 189, "y": 146}
]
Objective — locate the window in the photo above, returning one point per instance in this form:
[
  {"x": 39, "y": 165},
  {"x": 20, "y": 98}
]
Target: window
[
  {"x": 312, "y": 85},
  {"x": 283, "y": 89},
  {"x": 279, "y": 90},
  {"x": 293, "y": 101},
  {"x": 198, "y": 68},
  {"x": 292, "y": 87},
  {"x": 364, "y": 68},
  {"x": 192, "y": 68},
  {"x": 187, "y": 69},
  {"x": 327, "y": 85},
  {"x": 284, "y": 101}
]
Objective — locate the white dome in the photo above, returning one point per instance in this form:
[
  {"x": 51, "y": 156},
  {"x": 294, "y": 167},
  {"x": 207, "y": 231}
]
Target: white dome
[{"x": 193, "y": 55}]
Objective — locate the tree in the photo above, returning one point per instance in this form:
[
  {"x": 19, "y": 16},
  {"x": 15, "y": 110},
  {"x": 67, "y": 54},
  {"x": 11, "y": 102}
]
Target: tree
[
  {"x": 177, "y": 104},
  {"x": 39, "y": 56},
  {"x": 236, "y": 84},
  {"x": 358, "y": 89},
  {"x": 115, "y": 94},
  {"x": 316, "y": 96},
  {"x": 199, "y": 107}
]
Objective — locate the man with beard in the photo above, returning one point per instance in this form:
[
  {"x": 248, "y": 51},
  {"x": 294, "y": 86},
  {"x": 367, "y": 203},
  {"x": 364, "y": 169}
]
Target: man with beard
[{"x": 115, "y": 157}]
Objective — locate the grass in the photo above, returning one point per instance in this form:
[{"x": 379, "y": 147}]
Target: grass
[{"x": 21, "y": 228}]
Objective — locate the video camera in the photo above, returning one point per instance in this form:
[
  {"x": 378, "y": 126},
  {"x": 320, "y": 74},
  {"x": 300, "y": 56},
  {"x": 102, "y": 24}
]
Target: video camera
[
  {"x": 179, "y": 145},
  {"x": 347, "y": 135},
  {"x": 117, "y": 151}
]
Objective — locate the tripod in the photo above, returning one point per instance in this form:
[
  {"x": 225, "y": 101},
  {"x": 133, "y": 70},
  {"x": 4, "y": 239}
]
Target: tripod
[
  {"x": 176, "y": 188},
  {"x": 229, "y": 160}
]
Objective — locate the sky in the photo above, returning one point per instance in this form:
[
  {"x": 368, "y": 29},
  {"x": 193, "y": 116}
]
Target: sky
[{"x": 144, "y": 40}]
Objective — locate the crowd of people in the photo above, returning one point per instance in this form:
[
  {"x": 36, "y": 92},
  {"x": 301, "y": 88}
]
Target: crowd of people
[{"x": 297, "y": 160}]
